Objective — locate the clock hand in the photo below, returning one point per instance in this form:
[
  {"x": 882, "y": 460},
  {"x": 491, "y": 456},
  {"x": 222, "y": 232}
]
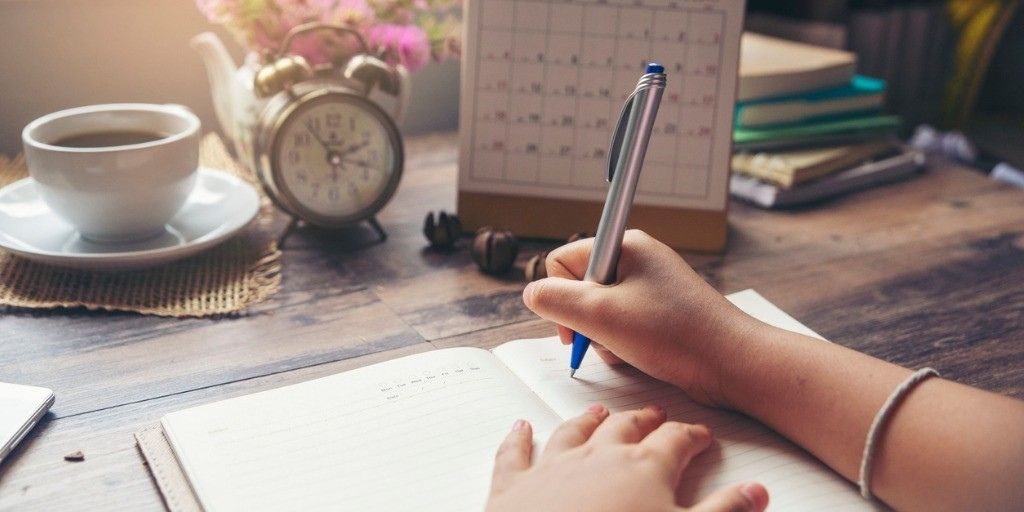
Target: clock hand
[
  {"x": 355, "y": 147},
  {"x": 316, "y": 136},
  {"x": 362, "y": 164}
]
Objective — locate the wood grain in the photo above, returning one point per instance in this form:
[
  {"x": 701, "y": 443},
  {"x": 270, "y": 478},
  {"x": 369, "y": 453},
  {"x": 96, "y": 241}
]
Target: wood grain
[
  {"x": 113, "y": 476},
  {"x": 924, "y": 272}
]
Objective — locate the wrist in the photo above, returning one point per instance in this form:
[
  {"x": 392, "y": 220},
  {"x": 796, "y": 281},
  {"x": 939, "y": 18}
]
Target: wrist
[
  {"x": 740, "y": 364},
  {"x": 709, "y": 359}
]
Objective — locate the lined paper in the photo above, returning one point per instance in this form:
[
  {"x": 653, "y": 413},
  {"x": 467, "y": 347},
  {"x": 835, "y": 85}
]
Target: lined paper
[
  {"x": 744, "y": 449},
  {"x": 420, "y": 432},
  {"x": 416, "y": 433}
]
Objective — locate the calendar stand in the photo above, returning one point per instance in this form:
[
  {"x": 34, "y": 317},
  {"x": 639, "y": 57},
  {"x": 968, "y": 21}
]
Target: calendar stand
[
  {"x": 543, "y": 82},
  {"x": 685, "y": 229}
]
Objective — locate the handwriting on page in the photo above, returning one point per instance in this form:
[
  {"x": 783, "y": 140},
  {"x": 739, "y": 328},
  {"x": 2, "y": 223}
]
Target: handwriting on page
[
  {"x": 744, "y": 449},
  {"x": 379, "y": 441},
  {"x": 548, "y": 79}
]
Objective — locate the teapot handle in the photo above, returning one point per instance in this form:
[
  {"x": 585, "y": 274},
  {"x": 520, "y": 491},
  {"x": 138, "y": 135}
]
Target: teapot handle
[
  {"x": 404, "y": 91},
  {"x": 314, "y": 26}
]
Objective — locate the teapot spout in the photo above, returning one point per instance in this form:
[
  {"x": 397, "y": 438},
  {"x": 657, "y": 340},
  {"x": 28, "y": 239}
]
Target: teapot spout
[{"x": 220, "y": 69}]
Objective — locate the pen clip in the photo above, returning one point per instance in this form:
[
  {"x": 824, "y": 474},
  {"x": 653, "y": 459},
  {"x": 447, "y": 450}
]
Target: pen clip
[{"x": 620, "y": 132}]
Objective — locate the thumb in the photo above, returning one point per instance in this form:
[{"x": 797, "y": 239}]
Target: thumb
[
  {"x": 564, "y": 301},
  {"x": 746, "y": 497}
]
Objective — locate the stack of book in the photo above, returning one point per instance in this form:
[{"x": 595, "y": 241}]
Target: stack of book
[{"x": 807, "y": 127}]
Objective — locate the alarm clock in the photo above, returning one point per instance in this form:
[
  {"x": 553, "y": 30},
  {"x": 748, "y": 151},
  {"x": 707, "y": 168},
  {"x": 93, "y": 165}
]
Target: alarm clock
[{"x": 324, "y": 151}]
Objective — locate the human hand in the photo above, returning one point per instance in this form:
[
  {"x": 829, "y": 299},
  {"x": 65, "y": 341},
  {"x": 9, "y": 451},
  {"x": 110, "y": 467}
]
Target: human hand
[
  {"x": 596, "y": 462},
  {"x": 659, "y": 316}
]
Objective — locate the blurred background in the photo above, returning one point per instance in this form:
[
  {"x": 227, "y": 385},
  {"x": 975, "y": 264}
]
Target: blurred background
[
  {"x": 953, "y": 64},
  {"x": 58, "y": 54}
]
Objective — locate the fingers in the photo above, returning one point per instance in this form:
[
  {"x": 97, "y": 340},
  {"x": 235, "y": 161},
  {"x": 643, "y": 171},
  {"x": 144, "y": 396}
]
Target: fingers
[
  {"x": 744, "y": 497},
  {"x": 609, "y": 357},
  {"x": 675, "y": 444},
  {"x": 564, "y": 334},
  {"x": 514, "y": 453},
  {"x": 565, "y": 301},
  {"x": 570, "y": 260},
  {"x": 576, "y": 431},
  {"x": 606, "y": 355},
  {"x": 629, "y": 427}
]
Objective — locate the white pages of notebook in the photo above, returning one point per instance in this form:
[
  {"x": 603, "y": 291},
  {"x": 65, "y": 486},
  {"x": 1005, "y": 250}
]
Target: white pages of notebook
[{"x": 419, "y": 432}]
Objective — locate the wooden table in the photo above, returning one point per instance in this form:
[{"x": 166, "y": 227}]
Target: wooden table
[{"x": 925, "y": 272}]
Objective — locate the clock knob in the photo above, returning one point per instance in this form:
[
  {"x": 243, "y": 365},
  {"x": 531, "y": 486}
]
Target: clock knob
[
  {"x": 288, "y": 70},
  {"x": 370, "y": 71}
]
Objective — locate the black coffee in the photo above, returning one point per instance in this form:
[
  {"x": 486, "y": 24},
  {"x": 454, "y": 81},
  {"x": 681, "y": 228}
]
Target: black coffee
[{"x": 107, "y": 139}]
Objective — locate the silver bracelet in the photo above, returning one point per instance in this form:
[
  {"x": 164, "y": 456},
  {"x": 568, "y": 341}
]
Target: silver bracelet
[{"x": 880, "y": 419}]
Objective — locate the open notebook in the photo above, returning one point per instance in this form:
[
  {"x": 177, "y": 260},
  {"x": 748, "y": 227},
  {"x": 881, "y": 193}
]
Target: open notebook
[{"x": 420, "y": 432}]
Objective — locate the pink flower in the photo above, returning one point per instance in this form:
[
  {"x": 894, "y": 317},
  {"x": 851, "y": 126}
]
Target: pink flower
[
  {"x": 404, "y": 44},
  {"x": 409, "y": 32}
]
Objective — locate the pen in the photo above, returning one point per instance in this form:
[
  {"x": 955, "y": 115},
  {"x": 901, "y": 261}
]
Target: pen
[{"x": 625, "y": 160}]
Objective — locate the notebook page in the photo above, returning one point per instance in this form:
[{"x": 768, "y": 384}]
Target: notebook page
[
  {"x": 416, "y": 433},
  {"x": 744, "y": 450}
]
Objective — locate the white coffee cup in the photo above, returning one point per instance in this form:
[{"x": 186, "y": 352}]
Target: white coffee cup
[{"x": 115, "y": 193}]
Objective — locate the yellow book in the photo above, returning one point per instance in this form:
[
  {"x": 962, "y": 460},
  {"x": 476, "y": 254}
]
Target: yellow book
[{"x": 790, "y": 168}]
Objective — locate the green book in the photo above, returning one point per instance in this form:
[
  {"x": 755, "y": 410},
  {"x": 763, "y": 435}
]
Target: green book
[
  {"x": 827, "y": 129},
  {"x": 862, "y": 95}
]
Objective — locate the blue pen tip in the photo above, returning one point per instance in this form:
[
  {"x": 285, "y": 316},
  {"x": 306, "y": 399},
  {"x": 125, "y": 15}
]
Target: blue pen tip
[{"x": 654, "y": 67}]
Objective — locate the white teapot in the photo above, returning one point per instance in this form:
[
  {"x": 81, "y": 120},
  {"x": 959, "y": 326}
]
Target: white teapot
[{"x": 240, "y": 94}]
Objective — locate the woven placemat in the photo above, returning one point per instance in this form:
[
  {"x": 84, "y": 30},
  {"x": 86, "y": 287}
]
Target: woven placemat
[{"x": 225, "y": 279}]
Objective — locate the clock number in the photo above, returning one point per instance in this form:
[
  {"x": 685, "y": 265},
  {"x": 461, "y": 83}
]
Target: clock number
[
  {"x": 333, "y": 194},
  {"x": 333, "y": 120},
  {"x": 302, "y": 140},
  {"x": 294, "y": 157}
]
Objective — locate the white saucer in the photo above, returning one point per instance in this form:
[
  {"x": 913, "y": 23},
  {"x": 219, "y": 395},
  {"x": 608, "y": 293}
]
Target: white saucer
[{"x": 219, "y": 206}]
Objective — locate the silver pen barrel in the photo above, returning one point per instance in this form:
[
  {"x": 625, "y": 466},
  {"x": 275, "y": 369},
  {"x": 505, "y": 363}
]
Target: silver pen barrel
[{"x": 629, "y": 145}]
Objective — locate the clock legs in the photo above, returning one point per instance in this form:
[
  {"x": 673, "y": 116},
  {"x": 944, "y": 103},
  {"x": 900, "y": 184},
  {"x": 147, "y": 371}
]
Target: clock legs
[
  {"x": 295, "y": 223},
  {"x": 378, "y": 228}
]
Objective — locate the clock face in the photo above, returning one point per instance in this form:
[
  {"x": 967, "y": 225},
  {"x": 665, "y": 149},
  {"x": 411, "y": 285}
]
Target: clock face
[{"x": 338, "y": 157}]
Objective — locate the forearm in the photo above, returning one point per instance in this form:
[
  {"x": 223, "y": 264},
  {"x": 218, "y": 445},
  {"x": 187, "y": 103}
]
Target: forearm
[
  {"x": 819, "y": 395},
  {"x": 947, "y": 446}
]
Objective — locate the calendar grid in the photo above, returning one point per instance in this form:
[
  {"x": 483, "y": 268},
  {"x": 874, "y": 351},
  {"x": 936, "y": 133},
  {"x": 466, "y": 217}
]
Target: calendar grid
[
  {"x": 575, "y": 100},
  {"x": 549, "y": 78},
  {"x": 717, "y": 83},
  {"x": 508, "y": 108},
  {"x": 679, "y": 110}
]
